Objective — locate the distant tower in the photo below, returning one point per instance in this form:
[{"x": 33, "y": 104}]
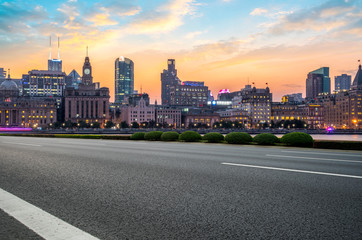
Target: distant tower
[
  {"x": 54, "y": 64},
  {"x": 168, "y": 78},
  {"x": 318, "y": 82},
  {"x": 87, "y": 78},
  {"x": 124, "y": 78}
]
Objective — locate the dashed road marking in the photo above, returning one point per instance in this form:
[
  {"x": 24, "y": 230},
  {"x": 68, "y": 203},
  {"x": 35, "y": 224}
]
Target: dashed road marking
[{"x": 292, "y": 170}]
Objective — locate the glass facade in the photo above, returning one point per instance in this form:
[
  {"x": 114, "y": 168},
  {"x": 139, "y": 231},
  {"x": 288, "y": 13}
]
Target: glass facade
[{"x": 124, "y": 78}]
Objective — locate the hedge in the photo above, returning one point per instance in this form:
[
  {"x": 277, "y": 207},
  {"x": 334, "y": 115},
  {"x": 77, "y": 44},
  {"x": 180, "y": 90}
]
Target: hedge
[
  {"x": 344, "y": 145},
  {"x": 190, "y": 136},
  {"x": 169, "y": 136},
  {"x": 298, "y": 139},
  {"x": 265, "y": 139},
  {"x": 138, "y": 136},
  {"x": 213, "y": 137},
  {"x": 153, "y": 135},
  {"x": 238, "y": 138}
]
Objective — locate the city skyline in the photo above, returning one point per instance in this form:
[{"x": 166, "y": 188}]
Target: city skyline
[{"x": 222, "y": 43}]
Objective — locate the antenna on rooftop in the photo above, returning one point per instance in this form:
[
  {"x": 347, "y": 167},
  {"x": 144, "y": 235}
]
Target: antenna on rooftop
[
  {"x": 58, "y": 48},
  {"x": 50, "y": 47}
]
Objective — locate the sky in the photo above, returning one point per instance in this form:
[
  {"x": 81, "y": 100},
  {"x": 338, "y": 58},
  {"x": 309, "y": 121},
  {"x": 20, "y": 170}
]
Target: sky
[{"x": 224, "y": 43}]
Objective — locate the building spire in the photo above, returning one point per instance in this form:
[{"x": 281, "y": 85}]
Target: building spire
[
  {"x": 359, "y": 61},
  {"x": 58, "y": 49},
  {"x": 50, "y": 47},
  {"x": 87, "y": 52},
  {"x": 8, "y": 73}
]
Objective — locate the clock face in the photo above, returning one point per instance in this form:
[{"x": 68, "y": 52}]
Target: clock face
[{"x": 86, "y": 71}]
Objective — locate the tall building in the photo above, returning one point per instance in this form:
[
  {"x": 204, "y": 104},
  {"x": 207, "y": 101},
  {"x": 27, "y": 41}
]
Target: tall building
[
  {"x": 342, "y": 82},
  {"x": 88, "y": 103},
  {"x": 168, "y": 78},
  {"x": 177, "y": 93},
  {"x": 2, "y": 74},
  {"x": 124, "y": 78},
  {"x": 43, "y": 83},
  {"x": 318, "y": 83},
  {"x": 54, "y": 65}
]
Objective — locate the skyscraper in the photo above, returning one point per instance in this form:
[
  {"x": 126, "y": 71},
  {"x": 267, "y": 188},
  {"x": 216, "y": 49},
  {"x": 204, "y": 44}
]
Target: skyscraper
[
  {"x": 318, "y": 82},
  {"x": 342, "y": 82},
  {"x": 168, "y": 78},
  {"x": 124, "y": 78},
  {"x": 54, "y": 64}
]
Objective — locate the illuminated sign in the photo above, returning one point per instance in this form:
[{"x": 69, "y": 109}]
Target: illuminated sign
[{"x": 224, "y": 91}]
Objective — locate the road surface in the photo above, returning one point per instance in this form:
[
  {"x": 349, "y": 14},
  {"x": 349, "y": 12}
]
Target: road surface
[{"x": 157, "y": 190}]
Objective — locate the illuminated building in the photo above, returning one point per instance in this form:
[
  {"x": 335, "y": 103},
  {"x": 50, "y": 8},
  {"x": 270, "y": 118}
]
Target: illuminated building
[
  {"x": 124, "y": 78},
  {"x": 235, "y": 115},
  {"x": 140, "y": 113},
  {"x": 20, "y": 111},
  {"x": 318, "y": 83},
  {"x": 43, "y": 83},
  {"x": 342, "y": 82},
  {"x": 88, "y": 103},
  {"x": 344, "y": 109},
  {"x": 257, "y": 102},
  {"x": 168, "y": 116},
  {"x": 295, "y": 98},
  {"x": 286, "y": 111},
  {"x": 191, "y": 120},
  {"x": 189, "y": 95},
  {"x": 177, "y": 93}
]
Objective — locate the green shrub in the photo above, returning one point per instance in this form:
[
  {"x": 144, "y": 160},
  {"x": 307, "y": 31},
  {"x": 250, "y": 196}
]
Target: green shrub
[
  {"x": 265, "y": 139},
  {"x": 297, "y": 139},
  {"x": 238, "y": 138},
  {"x": 213, "y": 137},
  {"x": 153, "y": 135},
  {"x": 345, "y": 145},
  {"x": 169, "y": 136},
  {"x": 138, "y": 136},
  {"x": 190, "y": 136}
]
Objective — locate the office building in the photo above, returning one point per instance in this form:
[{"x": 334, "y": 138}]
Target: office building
[
  {"x": 168, "y": 79},
  {"x": 294, "y": 98},
  {"x": 166, "y": 116},
  {"x": 124, "y": 78},
  {"x": 54, "y": 65},
  {"x": 140, "y": 113},
  {"x": 342, "y": 83},
  {"x": 318, "y": 83},
  {"x": 43, "y": 83}
]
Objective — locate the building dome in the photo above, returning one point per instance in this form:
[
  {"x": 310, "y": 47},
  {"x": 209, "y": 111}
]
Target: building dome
[{"x": 9, "y": 85}]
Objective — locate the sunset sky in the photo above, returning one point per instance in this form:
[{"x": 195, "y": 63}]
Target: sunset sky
[{"x": 221, "y": 42}]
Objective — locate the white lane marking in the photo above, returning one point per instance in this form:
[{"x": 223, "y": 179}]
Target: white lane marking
[
  {"x": 41, "y": 222},
  {"x": 25, "y": 144},
  {"x": 341, "y": 154},
  {"x": 320, "y": 159},
  {"x": 293, "y": 170},
  {"x": 86, "y": 144}
]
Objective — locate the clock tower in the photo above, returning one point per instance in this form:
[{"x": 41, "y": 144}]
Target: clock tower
[{"x": 87, "y": 78}]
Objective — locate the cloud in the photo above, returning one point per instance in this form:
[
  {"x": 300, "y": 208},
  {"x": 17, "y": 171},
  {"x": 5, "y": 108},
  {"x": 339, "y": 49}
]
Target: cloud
[
  {"x": 192, "y": 35},
  {"x": 328, "y": 16},
  {"x": 164, "y": 18},
  {"x": 258, "y": 12}
]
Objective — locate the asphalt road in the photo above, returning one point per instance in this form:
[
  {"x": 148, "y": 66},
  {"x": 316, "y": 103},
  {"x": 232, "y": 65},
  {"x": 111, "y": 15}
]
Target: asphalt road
[{"x": 157, "y": 190}]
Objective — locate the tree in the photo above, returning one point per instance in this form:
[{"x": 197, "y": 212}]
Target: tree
[
  {"x": 135, "y": 125},
  {"x": 124, "y": 124},
  {"x": 109, "y": 124},
  {"x": 96, "y": 125},
  {"x": 68, "y": 124}
]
